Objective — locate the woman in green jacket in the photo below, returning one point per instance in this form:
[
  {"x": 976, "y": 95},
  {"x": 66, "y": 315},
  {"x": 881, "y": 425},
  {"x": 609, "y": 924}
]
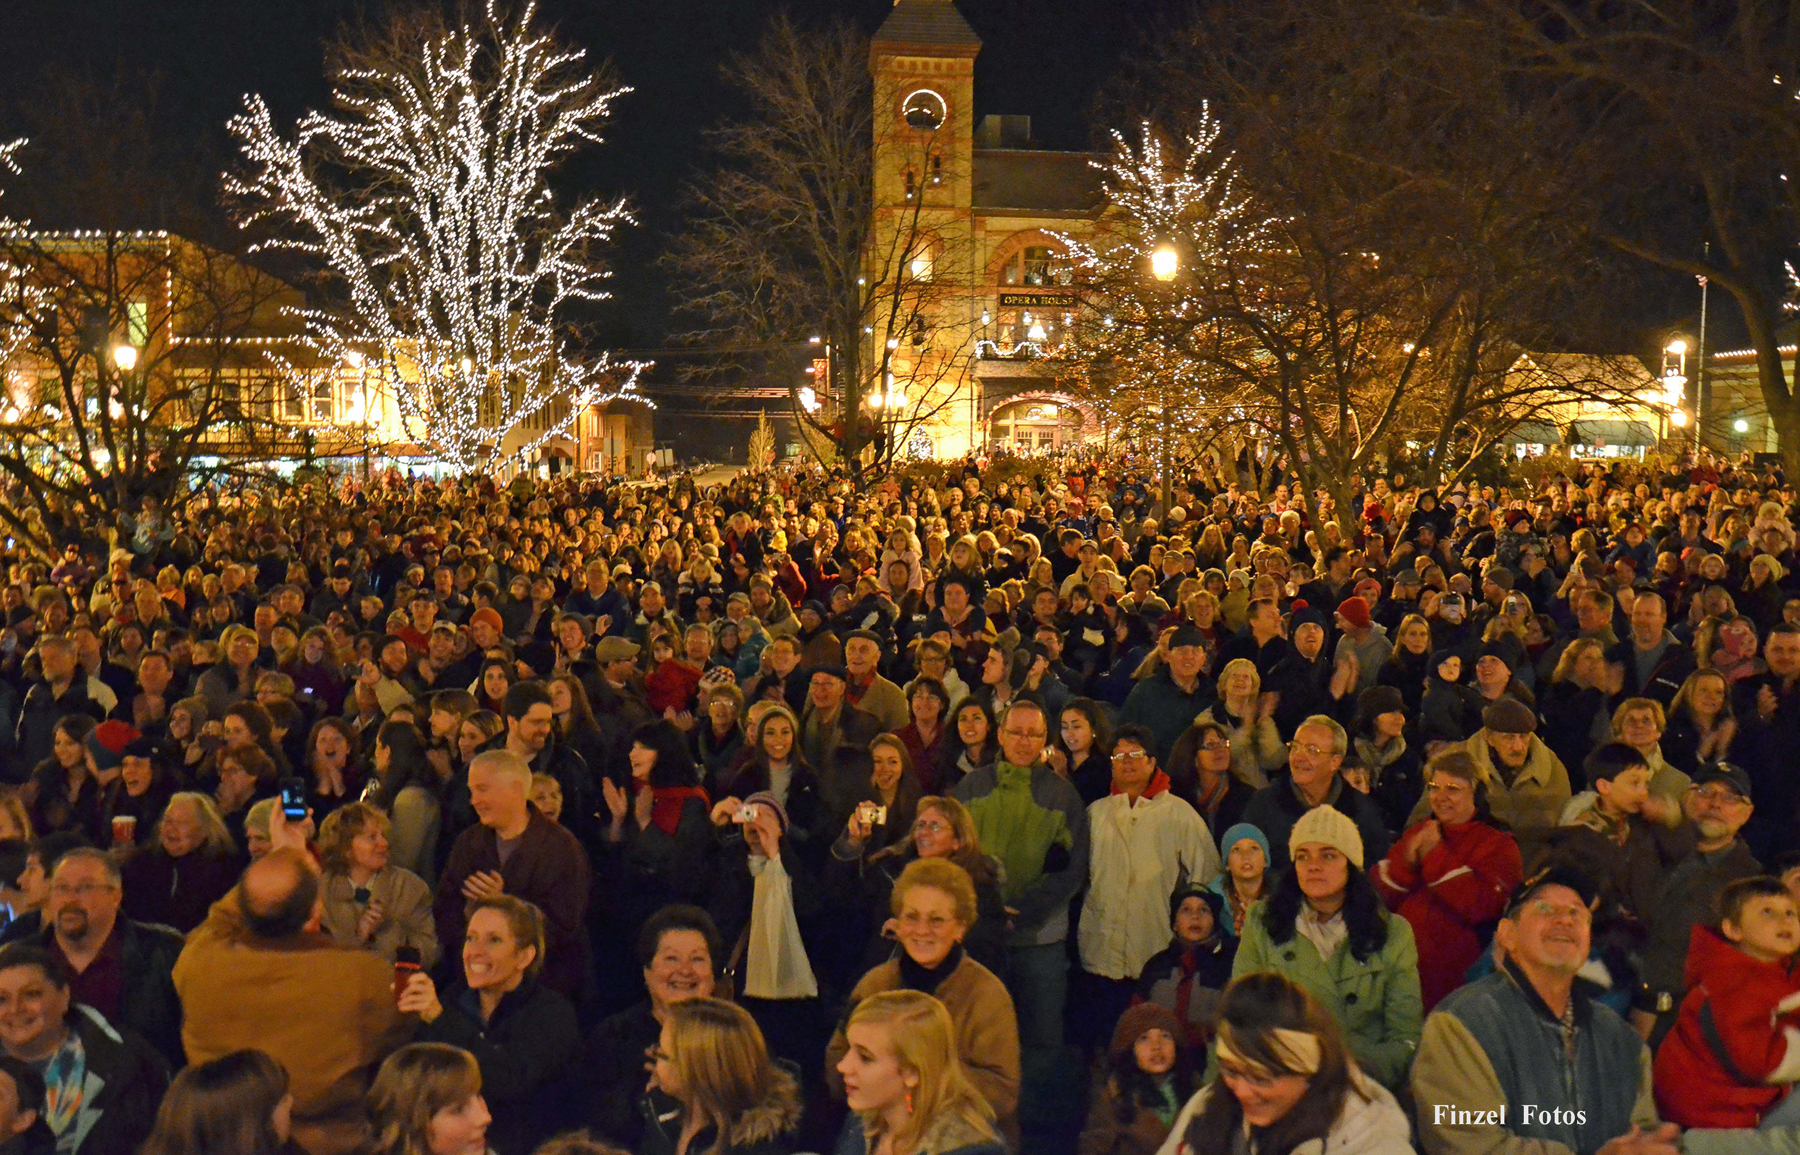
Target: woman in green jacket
[{"x": 1324, "y": 927}]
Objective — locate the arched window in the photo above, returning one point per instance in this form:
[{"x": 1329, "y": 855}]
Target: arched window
[{"x": 1035, "y": 266}]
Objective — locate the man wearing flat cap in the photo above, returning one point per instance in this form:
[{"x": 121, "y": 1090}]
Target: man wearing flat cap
[{"x": 1527, "y": 783}]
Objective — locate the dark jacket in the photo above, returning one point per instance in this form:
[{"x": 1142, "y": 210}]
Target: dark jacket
[
  {"x": 38, "y": 716},
  {"x": 126, "y": 1079},
  {"x": 548, "y": 868},
  {"x": 1157, "y": 702},
  {"x": 1278, "y": 806},
  {"x": 612, "y": 1067},
  {"x": 769, "y": 1128},
  {"x": 177, "y": 892},
  {"x": 525, "y": 1051},
  {"x": 148, "y": 1003},
  {"x": 1189, "y": 980}
]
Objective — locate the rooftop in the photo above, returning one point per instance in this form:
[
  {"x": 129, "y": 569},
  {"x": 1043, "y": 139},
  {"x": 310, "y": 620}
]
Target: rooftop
[
  {"x": 1037, "y": 182},
  {"x": 927, "y": 22}
]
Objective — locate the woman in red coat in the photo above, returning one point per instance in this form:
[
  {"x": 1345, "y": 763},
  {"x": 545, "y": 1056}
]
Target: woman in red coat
[{"x": 1449, "y": 876}]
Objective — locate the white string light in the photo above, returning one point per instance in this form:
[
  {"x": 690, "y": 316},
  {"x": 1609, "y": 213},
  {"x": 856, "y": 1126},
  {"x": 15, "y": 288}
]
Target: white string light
[{"x": 425, "y": 195}]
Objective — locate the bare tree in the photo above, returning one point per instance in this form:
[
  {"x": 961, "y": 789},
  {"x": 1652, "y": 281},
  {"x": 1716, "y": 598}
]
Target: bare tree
[
  {"x": 786, "y": 244},
  {"x": 1691, "y": 136},
  {"x": 1403, "y": 256},
  {"x": 455, "y": 277}
]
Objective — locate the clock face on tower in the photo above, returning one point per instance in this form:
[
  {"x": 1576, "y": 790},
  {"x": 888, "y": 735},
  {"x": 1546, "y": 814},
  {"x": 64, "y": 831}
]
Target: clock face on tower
[{"x": 924, "y": 110}]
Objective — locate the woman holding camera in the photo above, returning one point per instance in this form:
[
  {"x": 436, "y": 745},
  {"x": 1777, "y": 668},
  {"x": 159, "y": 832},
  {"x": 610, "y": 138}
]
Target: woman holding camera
[{"x": 522, "y": 1033}]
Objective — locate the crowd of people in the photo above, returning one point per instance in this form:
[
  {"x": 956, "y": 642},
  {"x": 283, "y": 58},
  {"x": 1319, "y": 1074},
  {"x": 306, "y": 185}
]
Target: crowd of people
[{"x": 993, "y": 808}]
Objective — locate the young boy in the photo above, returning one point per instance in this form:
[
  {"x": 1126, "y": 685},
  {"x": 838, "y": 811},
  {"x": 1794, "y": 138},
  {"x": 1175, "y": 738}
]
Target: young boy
[
  {"x": 1189, "y": 976},
  {"x": 1604, "y": 835},
  {"x": 1735, "y": 1049}
]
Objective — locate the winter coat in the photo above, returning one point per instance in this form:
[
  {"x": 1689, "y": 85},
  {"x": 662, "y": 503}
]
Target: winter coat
[
  {"x": 1371, "y": 650},
  {"x": 1736, "y": 1041},
  {"x": 1189, "y": 980},
  {"x": 1375, "y": 1000},
  {"x": 947, "y": 1135},
  {"x": 1396, "y": 780},
  {"x": 1448, "y": 711},
  {"x": 1371, "y": 1123},
  {"x": 982, "y": 1020},
  {"x": 870, "y": 882},
  {"x": 176, "y": 892},
  {"x": 324, "y": 1013},
  {"x": 1277, "y": 806},
  {"x": 1107, "y": 1134},
  {"x": 613, "y": 1062},
  {"x": 1033, "y": 821},
  {"x": 405, "y": 900},
  {"x": 770, "y": 1127},
  {"x": 1138, "y": 854},
  {"x": 1575, "y": 721},
  {"x": 1494, "y": 1044},
  {"x": 125, "y": 1082},
  {"x": 1532, "y": 805},
  {"x": 147, "y": 1003},
  {"x": 1157, "y": 702},
  {"x": 1451, "y": 898},
  {"x": 548, "y": 868},
  {"x": 1257, "y": 750},
  {"x": 1629, "y": 875},
  {"x": 1689, "y": 898},
  {"x": 525, "y": 1051}
]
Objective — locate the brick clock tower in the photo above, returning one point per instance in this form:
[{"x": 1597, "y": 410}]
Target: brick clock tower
[{"x": 923, "y": 64}]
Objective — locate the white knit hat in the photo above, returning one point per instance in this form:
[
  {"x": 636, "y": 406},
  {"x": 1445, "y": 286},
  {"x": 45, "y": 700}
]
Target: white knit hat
[{"x": 1331, "y": 826}]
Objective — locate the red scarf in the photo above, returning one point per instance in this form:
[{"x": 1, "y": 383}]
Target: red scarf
[
  {"x": 667, "y": 802},
  {"x": 1159, "y": 782}
]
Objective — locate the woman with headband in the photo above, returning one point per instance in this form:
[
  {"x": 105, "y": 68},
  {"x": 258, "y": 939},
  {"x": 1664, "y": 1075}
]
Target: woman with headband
[{"x": 1283, "y": 1079}]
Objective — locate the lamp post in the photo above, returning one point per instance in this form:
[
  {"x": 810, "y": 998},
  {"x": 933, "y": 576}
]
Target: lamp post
[
  {"x": 1674, "y": 378},
  {"x": 1165, "y": 262}
]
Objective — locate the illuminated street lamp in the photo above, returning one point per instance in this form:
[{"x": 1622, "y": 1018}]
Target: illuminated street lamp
[
  {"x": 1164, "y": 262},
  {"x": 125, "y": 357}
]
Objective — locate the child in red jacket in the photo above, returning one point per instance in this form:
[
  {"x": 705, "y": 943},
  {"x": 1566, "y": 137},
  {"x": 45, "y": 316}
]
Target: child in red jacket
[{"x": 1735, "y": 1049}]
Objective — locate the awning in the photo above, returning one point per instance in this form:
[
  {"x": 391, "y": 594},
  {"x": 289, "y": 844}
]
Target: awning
[
  {"x": 1628, "y": 433},
  {"x": 1535, "y": 433}
]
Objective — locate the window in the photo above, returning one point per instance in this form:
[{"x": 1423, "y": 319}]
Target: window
[
  {"x": 322, "y": 400},
  {"x": 1036, "y": 266},
  {"x": 137, "y": 323},
  {"x": 920, "y": 266}
]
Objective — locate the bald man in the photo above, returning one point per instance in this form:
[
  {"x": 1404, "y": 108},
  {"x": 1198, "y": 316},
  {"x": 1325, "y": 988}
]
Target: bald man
[{"x": 258, "y": 973}]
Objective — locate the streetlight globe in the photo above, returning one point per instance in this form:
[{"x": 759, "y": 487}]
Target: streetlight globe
[
  {"x": 1164, "y": 262},
  {"x": 1676, "y": 348},
  {"x": 1678, "y": 418},
  {"x": 125, "y": 357},
  {"x": 1741, "y": 426}
]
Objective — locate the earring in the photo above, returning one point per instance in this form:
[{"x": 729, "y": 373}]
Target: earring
[{"x": 909, "y": 1100}]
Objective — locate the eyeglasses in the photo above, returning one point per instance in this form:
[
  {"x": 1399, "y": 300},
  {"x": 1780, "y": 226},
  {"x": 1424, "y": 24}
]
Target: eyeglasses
[
  {"x": 1723, "y": 796},
  {"x": 1215, "y": 744},
  {"x": 1129, "y": 756},
  {"x": 1034, "y": 735},
  {"x": 926, "y": 826},
  {"x": 914, "y": 919},
  {"x": 1311, "y": 751}
]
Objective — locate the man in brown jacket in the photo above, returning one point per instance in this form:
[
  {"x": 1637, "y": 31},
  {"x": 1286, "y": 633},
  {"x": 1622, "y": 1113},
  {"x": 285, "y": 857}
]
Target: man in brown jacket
[
  {"x": 259, "y": 973},
  {"x": 516, "y": 850}
]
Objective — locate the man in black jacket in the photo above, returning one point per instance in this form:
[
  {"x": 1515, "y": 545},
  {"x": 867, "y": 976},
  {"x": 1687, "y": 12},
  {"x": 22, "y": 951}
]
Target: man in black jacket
[
  {"x": 120, "y": 967},
  {"x": 59, "y": 694}
]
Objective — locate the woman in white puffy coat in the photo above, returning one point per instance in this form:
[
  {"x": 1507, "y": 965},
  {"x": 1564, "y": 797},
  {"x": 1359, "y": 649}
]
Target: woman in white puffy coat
[{"x": 1283, "y": 1083}]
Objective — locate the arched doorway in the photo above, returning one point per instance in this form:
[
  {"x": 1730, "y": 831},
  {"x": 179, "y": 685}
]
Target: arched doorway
[{"x": 1035, "y": 426}]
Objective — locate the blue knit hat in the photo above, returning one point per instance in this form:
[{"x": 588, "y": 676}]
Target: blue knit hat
[{"x": 1238, "y": 833}]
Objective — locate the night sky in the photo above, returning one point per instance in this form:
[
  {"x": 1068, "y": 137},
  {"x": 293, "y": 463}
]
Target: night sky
[{"x": 1043, "y": 58}]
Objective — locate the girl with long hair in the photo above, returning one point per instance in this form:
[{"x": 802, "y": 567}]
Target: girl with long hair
[
  {"x": 1150, "y": 1077},
  {"x": 426, "y": 1100},
  {"x": 238, "y": 1102},
  {"x": 908, "y": 1092},
  {"x": 714, "y": 1089},
  {"x": 1701, "y": 724},
  {"x": 773, "y": 762},
  {"x": 971, "y": 744}
]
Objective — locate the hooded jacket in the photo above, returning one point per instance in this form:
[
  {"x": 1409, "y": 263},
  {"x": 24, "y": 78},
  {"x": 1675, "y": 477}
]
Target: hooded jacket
[
  {"x": 1139, "y": 853},
  {"x": 1736, "y": 1040},
  {"x": 768, "y": 1128}
]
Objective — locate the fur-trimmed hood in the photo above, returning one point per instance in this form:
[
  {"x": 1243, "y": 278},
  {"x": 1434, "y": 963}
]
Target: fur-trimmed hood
[{"x": 776, "y": 1116}]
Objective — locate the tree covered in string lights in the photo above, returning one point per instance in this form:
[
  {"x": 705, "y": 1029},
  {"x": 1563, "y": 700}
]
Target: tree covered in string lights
[
  {"x": 1146, "y": 342},
  {"x": 452, "y": 277}
]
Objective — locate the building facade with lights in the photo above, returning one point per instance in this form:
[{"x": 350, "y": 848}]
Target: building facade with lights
[
  {"x": 974, "y": 373},
  {"x": 151, "y": 328}
]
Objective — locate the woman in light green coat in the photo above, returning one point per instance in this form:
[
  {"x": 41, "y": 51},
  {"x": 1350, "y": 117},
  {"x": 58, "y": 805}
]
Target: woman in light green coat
[{"x": 1324, "y": 927}]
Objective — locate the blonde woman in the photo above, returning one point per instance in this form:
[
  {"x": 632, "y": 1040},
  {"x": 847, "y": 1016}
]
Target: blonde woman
[
  {"x": 1256, "y": 746},
  {"x": 934, "y": 907},
  {"x": 370, "y": 903},
  {"x": 908, "y": 1092},
  {"x": 713, "y": 1088}
]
